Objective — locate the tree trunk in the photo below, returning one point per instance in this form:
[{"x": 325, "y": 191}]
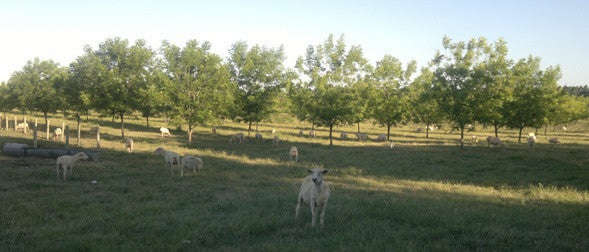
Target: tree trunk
[
  {"x": 545, "y": 129},
  {"x": 256, "y": 126},
  {"x": 358, "y": 127},
  {"x": 45, "y": 116},
  {"x": 249, "y": 129},
  {"x": 79, "y": 131},
  {"x": 388, "y": 132},
  {"x": 462, "y": 137},
  {"x": 147, "y": 117},
  {"x": 189, "y": 135},
  {"x": 496, "y": 129},
  {"x": 536, "y": 132},
  {"x": 519, "y": 140},
  {"x": 312, "y": 126},
  {"x": 427, "y": 130},
  {"x": 330, "y": 136},
  {"x": 122, "y": 125}
]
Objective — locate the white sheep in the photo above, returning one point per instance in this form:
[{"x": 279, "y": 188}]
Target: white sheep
[
  {"x": 315, "y": 192},
  {"x": 165, "y": 131},
  {"x": 531, "y": 140},
  {"x": 362, "y": 137},
  {"x": 474, "y": 139},
  {"x": 344, "y": 136},
  {"x": 312, "y": 133},
  {"x": 22, "y": 126},
  {"x": 553, "y": 140},
  {"x": 418, "y": 130},
  {"x": 495, "y": 141},
  {"x": 392, "y": 144},
  {"x": 66, "y": 163},
  {"x": 273, "y": 131},
  {"x": 214, "y": 131},
  {"x": 301, "y": 133},
  {"x": 432, "y": 128},
  {"x": 381, "y": 138},
  {"x": 129, "y": 145},
  {"x": 57, "y": 133},
  {"x": 275, "y": 141},
  {"x": 564, "y": 128},
  {"x": 171, "y": 158},
  {"x": 237, "y": 137},
  {"x": 191, "y": 163},
  {"x": 293, "y": 154}
]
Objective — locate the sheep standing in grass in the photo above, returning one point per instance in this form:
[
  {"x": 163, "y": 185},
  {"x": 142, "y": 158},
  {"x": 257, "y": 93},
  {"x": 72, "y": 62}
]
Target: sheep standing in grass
[
  {"x": 293, "y": 154},
  {"x": 301, "y": 133},
  {"x": 474, "y": 139},
  {"x": 531, "y": 140},
  {"x": 190, "y": 163},
  {"x": 214, "y": 131},
  {"x": 238, "y": 137},
  {"x": 418, "y": 130},
  {"x": 315, "y": 192},
  {"x": 259, "y": 138},
  {"x": 362, "y": 137},
  {"x": 129, "y": 145},
  {"x": 495, "y": 141},
  {"x": 273, "y": 131},
  {"x": 22, "y": 126},
  {"x": 553, "y": 140},
  {"x": 66, "y": 163},
  {"x": 92, "y": 131},
  {"x": 564, "y": 128},
  {"x": 312, "y": 133},
  {"x": 275, "y": 141},
  {"x": 165, "y": 131},
  {"x": 171, "y": 158},
  {"x": 381, "y": 138},
  {"x": 344, "y": 136},
  {"x": 57, "y": 133}
]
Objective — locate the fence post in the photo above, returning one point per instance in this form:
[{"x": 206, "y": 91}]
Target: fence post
[
  {"x": 5, "y": 115},
  {"x": 78, "y": 142},
  {"x": 98, "y": 138},
  {"x": 35, "y": 136},
  {"x": 62, "y": 130},
  {"x": 47, "y": 128},
  {"x": 25, "y": 128},
  {"x": 67, "y": 137},
  {"x": 15, "y": 122}
]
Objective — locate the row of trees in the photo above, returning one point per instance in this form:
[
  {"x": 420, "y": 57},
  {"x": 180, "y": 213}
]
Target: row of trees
[{"x": 332, "y": 84}]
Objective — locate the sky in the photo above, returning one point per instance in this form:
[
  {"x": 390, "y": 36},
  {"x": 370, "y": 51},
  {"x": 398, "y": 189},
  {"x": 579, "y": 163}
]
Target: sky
[{"x": 556, "y": 31}]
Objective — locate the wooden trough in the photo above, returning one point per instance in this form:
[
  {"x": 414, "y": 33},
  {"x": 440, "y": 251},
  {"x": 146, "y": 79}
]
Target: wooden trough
[{"x": 16, "y": 149}]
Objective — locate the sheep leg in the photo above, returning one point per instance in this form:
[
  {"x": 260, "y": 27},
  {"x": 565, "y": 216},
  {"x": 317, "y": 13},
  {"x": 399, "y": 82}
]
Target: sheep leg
[
  {"x": 181, "y": 170},
  {"x": 58, "y": 171},
  {"x": 65, "y": 172},
  {"x": 313, "y": 213},
  {"x": 298, "y": 207},
  {"x": 322, "y": 216}
]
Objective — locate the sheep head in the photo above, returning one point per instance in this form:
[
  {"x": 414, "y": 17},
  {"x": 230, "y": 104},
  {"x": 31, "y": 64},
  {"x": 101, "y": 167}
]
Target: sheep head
[{"x": 317, "y": 175}]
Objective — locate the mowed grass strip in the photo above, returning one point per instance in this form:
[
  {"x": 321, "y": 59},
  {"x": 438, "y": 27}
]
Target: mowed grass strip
[{"x": 423, "y": 194}]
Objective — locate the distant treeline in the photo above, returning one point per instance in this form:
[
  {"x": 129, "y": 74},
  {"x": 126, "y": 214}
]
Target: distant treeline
[{"x": 577, "y": 90}]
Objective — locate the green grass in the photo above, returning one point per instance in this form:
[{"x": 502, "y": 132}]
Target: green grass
[{"x": 424, "y": 194}]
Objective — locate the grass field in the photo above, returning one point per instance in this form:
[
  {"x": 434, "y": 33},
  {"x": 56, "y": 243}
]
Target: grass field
[{"x": 423, "y": 194}]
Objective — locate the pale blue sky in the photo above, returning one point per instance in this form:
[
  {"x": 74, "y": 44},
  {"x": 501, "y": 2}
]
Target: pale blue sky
[{"x": 556, "y": 31}]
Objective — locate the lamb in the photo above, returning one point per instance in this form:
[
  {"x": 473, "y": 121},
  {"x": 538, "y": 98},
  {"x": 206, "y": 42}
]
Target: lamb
[
  {"x": 66, "y": 163},
  {"x": 474, "y": 139},
  {"x": 315, "y": 192},
  {"x": 432, "y": 128},
  {"x": 564, "y": 128},
  {"x": 171, "y": 158},
  {"x": 237, "y": 137},
  {"x": 190, "y": 163},
  {"x": 553, "y": 140},
  {"x": 381, "y": 138},
  {"x": 495, "y": 141},
  {"x": 531, "y": 140},
  {"x": 275, "y": 141},
  {"x": 57, "y": 133},
  {"x": 129, "y": 145},
  {"x": 22, "y": 126},
  {"x": 259, "y": 137},
  {"x": 362, "y": 137},
  {"x": 165, "y": 131},
  {"x": 293, "y": 154},
  {"x": 273, "y": 131},
  {"x": 344, "y": 136},
  {"x": 312, "y": 133}
]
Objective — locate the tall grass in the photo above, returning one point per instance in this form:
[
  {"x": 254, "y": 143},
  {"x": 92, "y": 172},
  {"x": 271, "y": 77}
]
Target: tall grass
[{"x": 423, "y": 194}]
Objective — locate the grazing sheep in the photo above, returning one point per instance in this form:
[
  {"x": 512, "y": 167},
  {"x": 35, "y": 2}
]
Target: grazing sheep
[
  {"x": 392, "y": 144},
  {"x": 237, "y": 137},
  {"x": 66, "y": 163},
  {"x": 190, "y": 163},
  {"x": 344, "y": 136},
  {"x": 432, "y": 128},
  {"x": 93, "y": 131},
  {"x": 418, "y": 130},
  {"x": 312, "y": 133},
  {"x": 495, "y": 141},
  {"x": 171, "y": 158},
  {"x": 315, "y": 192},
  {"x": 165, "y": 131},
  {"x": 259, "y": 138},
  {"x": 273, "y": 131},
  {"x": 214, "y": 131},
  {"x": 468, "y": 126},
  {"x": 564, "y": 128},
  {"x": 301, "y": 133},
  {"x": 293, "y": 154},
  {"x": 129, "y": 145},
  {"x": 531, "y": 140},
  {"x": 22, "y": 126},
  {"x": 362, "y": 137},
  {"x": 275, "y": 141},
  {"x": 57, "y": 133},
  {"x": 553, "y": 140},
  {"x": 381, "y": 138},
  {"x": 474, "y": 139}
]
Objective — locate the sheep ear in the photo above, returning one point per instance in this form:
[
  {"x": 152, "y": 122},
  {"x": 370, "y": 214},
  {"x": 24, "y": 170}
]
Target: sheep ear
[
  {"x": 324, "y": 172},
  {"x": 309, "y": 170}
]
